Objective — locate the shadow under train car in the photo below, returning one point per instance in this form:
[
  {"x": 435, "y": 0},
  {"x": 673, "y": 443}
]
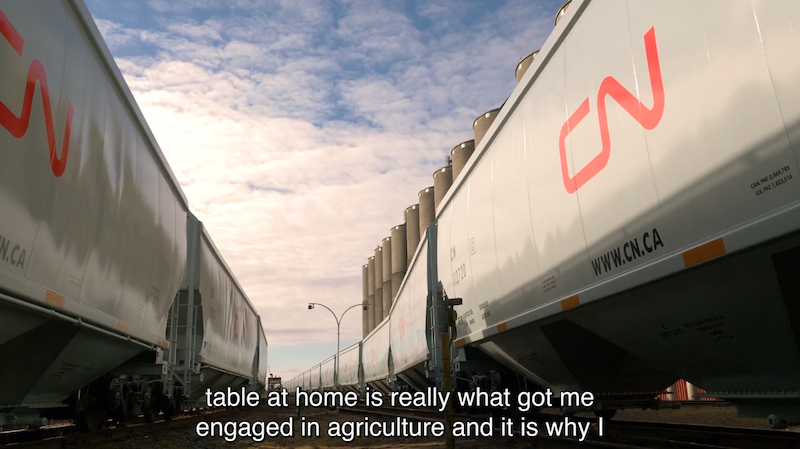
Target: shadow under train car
[{"x": 46, "y": 373}]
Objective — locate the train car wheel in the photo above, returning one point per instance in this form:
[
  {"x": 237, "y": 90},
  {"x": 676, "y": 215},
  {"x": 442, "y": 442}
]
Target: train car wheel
[
  {"x": 776, "y": 422},
  {"x": 168, "y": 406},
  {"x": 152, "y": 405},
  {"x": 119, "y": 408},
  {"x": 177, "y": 401},
  {"x": 90, "y": 414},
  {"x": 607, "y": 413},
  {"x": 150, "y": 412},
  {"x": 567, "y": 411}
]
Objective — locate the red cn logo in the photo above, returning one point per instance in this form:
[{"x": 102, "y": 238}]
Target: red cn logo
[
  {"x": 18, "y": 126},
  {"x": 402, "y": 327},
  {"x": 648, "y": 118}
]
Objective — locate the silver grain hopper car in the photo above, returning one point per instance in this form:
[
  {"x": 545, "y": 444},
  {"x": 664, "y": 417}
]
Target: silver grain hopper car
[
  {"x": 220, "y": 343},
  {"x": 630, "y": 217},
  {"x": 92, "y": 234},
  {"x": 93, "y": 242}
]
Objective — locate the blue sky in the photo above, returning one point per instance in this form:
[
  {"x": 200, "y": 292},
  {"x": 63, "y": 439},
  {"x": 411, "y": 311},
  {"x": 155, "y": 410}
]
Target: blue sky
[{"x": 301, "y": 130}]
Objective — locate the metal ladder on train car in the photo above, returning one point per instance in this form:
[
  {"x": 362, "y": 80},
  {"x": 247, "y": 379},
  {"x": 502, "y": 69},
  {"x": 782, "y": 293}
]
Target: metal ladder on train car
[
  {"x": 183, "y": 317},
  {"x": 434, "y": 370},
  {"x": 171, "y": 358},
  {"x": 183, "y": 342},
  {"x": 440, "y": 312},
  {"x": 435, "y": 318},
  {"x": 253, "y": 384}
]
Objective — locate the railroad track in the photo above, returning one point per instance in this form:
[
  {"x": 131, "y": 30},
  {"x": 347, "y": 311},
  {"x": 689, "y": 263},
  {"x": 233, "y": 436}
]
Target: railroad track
[
  {"x": 18, "y": 437},
  {"x": 66, "y": 435},
  {"x": 396, "y": 412},
  {"x": 623, "y": 434},
  {"x": 679, "y": 404},
  {"x": 713, "y": 436}
]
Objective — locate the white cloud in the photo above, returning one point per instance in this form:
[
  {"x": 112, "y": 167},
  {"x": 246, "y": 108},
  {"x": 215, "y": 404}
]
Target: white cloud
[
  {"x": 114, "y": 34},
  {"x": 207, "y": 32},
  {"x": 300, "y": 134}
]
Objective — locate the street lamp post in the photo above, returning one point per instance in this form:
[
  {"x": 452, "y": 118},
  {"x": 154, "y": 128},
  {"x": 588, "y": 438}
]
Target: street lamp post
[{"x": 338, "y": 333}]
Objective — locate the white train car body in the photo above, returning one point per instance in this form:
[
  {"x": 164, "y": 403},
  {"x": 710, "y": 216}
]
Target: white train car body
[
  {"x": 349, "y": 360},
  {"x": 408, "y": 321},
  {"x": 263, "y": 349},
  {"x": 314, "y": 380},
  {"x": 227, "y": 337},
  {"x": 375, "y": 356},
  {"x": 230, "y": 321},
  {"x": 327, "y": 373},
  {"x": 664, "y": 150},
  {"x": 93, "y": 221},
  {"x": 297, "y": 382},
  {"x": 631, "y": 216}
]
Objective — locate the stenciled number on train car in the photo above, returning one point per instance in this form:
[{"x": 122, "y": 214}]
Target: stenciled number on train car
[
  {"x": 18, "y": 125},
  {"x": 647, "y": 117}
]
